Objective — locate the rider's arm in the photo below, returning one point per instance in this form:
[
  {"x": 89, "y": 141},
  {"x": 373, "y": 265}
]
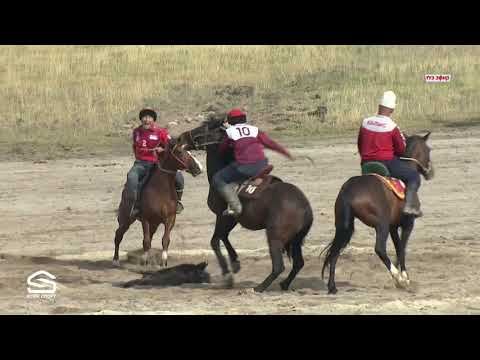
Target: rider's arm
[
  {"x": 269, "y": 143},
  {"x": 164, "y": 138},
  {"x": 398, "y": 142},
  {"x": 359, "y": 141},
  {"x": 133, "y": 141}
]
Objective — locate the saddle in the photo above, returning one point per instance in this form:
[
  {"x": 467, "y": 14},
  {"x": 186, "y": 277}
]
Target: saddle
[
  {"x": 254, "y": 186},
  {"x": 381, "y": 171}
]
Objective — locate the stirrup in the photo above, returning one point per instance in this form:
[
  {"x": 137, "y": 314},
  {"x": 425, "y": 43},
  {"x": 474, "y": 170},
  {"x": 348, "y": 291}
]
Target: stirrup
[
  {"x": 134, "y": 211},
  {"x": 229, "y": 212},
  {"x": 180, "y": 207}
]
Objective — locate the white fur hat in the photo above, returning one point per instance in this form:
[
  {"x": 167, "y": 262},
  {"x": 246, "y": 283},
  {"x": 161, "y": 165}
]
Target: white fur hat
[{"x": 388, "y": 99}]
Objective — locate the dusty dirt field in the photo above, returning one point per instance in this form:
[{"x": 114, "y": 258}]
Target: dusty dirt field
[{"x": 59, "y": 216}]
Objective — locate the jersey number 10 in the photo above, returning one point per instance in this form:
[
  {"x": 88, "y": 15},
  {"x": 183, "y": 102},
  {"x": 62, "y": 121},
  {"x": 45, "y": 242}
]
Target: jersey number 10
[{"x": 244, "y": 131}]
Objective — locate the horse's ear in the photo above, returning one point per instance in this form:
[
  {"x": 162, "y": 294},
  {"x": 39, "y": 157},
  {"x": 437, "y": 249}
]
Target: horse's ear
[{"x": 427, "y": 136}]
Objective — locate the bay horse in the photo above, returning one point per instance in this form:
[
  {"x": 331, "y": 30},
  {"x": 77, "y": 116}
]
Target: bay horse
[
  {"x": 367, "y": 198},
  {"x": 158, "y": 200},
  {"x": 282, "y": 209}
]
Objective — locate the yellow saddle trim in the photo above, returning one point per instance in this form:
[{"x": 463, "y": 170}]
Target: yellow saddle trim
[{"x": 388, "y": 182}]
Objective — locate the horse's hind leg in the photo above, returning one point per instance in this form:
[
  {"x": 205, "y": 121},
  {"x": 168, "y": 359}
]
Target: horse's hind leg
[
  {"x": 298, "y": 263},
  {"x": 277, "y": 269},
  {"x": 382, "y": 230},
  {"x": 275, "y": 244}
]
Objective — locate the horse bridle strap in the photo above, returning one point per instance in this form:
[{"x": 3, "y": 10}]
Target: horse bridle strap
[
  {"x": 176, "y": 159},
  {"x": 173, "y": 172},
  {"x": 415, "y": 161},
  {"x": 197, "y": 145}
]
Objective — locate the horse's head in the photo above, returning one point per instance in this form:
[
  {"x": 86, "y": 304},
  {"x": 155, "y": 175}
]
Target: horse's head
[
  {"x": 183, "y": 159},
  {"x": 210, "y": 132},
  {"x": 418, "y": 150}
]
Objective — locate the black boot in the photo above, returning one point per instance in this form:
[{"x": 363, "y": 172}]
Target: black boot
[
  {"x": 230, "y": 195},
  {"x": 412, "y": 204},
  {"x": 179, "y": 203}
]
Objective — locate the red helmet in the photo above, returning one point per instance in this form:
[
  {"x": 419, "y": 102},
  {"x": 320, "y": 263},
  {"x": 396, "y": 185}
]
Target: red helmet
[{"x": 236, "y": 116}]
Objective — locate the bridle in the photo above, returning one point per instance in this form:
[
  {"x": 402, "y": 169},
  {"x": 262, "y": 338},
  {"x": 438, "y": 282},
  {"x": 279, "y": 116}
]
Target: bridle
[
  {"x": 424, "y": 169},
  {"x": 201, "y": 145},
  {"x": 176, "y": 158}
]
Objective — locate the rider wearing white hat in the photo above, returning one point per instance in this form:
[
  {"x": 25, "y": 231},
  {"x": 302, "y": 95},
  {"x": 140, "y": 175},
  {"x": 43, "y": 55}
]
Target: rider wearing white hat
[
  {"x": 380, "y": 139},
  {"x": 388, "y": 100}
]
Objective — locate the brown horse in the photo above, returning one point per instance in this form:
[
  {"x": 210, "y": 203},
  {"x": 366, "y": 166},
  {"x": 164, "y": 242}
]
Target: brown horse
[
  {"x": 282, "y": 209},
  {"x": 158, "y": 200},
  {"x": 368, "y": 199}
]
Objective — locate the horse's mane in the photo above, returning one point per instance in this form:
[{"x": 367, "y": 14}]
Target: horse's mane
[
  {"x": 214, "y": 121},
  {"x": 411, "y": 142}
]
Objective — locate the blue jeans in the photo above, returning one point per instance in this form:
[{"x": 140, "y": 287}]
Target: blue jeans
[
  {"x": 400, "y": 170},
  {"x": 138, "y": 174},
  {"x": 237, "y": 173}
]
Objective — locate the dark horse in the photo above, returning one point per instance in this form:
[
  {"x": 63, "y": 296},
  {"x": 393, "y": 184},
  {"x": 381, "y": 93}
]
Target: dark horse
[
  {"x": 368, "y": 199},
  {"x": 282, "y": 209},
  {"x": 158, "y": 200}
]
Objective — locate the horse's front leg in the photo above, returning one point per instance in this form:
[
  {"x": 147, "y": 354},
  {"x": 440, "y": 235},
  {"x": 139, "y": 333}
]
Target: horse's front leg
[
  {"x": 407, "y": 225},
  {"x": 169, "y": 223},
  {"x": 147, "y": 242},
  {"x": 382, "y": 230},
  {"x": 229, "y": 223},
  {"x": 219, "y": 234},
  {"x": 400, "y": 281}
]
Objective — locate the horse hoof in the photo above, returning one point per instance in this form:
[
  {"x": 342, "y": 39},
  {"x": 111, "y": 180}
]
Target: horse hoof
[
  {"x": 228, "y": 281},
  {"x": 235, "y": 266},
  {"x": 284, "y": 286},
  {"x": 332, "y": 291},
  {"x": 401, "y": 283},
  {"x": 258, "y": 289},
  {"x": 116, "y": 263}
]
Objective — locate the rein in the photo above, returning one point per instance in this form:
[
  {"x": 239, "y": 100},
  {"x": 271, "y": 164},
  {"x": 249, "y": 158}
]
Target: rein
[
  {"x": 176, "y": 159},
  {"x": 199, "y": 145},
  {"x": 425, "y": 170}
]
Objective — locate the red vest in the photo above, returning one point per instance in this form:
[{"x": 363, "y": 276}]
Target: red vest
[
  {"x": 145, "y": 140},
  {"x": 379, "y": 138}
]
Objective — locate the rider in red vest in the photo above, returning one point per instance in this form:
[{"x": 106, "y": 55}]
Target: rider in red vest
[
  {"x": 380, "y": 139},
  {"x": 148, "y": 140},
  {"x": 248, "y": 143}
]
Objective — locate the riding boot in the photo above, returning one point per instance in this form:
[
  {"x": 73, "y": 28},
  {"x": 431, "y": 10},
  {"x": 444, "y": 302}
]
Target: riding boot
[
  {"x": 179, "y": 203},
  {"x": 230, "y": 196},
  {"x": 412, "y": 203}
]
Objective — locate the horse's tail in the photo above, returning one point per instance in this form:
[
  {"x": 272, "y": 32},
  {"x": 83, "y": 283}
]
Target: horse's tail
[
  {"x": 343, "y": 228},
  {"x": 299, "y": 238}
]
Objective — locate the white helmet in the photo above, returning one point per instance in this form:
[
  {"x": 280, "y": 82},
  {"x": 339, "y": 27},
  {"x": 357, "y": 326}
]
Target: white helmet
[{"x": 388, "y": 99}]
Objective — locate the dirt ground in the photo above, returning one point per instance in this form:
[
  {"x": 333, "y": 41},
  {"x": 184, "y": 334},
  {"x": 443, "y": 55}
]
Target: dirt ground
[{"x": 59, "y": 216}]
